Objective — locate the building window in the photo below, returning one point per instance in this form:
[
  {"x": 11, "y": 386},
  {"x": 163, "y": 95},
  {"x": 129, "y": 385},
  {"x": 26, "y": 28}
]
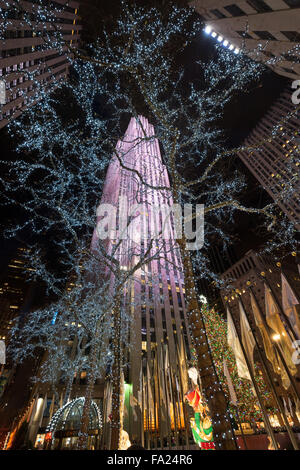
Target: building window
[
  {"x": 234, "y": 10},
  {"x": 218, "y": 14},
  {"x": 291, "y": 35},
  {"x": 292, "y": 3},
  {"x": 259, "y": 5},
  {"x": 265, "y": 35}
]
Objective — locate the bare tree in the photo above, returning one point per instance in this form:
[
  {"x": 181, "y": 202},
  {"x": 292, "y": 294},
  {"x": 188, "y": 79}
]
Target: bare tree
[{"x": 66, "y": 140}]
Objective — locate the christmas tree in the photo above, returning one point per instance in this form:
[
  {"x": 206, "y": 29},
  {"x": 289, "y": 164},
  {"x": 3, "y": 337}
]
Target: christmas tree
[{"x": 248, "y": 409}]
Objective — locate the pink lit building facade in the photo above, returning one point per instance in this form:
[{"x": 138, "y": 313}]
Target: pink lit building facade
[{"x": 158, "y": 336}]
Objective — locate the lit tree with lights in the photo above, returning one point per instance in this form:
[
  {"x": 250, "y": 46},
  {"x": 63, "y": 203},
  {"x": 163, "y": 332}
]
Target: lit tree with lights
[{"x": 66, "y": 141}]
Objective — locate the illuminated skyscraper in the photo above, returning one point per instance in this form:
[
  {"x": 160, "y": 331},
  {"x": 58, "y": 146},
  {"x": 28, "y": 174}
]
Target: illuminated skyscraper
[{"x": 158, "y": 337}]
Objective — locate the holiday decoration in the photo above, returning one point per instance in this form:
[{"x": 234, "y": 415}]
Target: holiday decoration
[{"x": 201, "y": 424}]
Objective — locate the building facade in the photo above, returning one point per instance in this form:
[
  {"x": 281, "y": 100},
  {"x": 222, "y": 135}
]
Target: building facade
[
  {"x": 252, "y": 271},
  {"x": 275, "y": 161},
  {"x": 158, "y": 335},
  {"x": 28, "y": 60},
  {"x": 273, "y": 25},
  {"x": 16, "y": 299},
  {"x": 16, "y": 294}
]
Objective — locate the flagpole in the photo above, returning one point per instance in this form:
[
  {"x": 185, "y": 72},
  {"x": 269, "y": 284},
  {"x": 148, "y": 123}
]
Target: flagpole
[
  {"x": 172, "y": 398},
  {"x": 102, "y": 440},
  {"x": 148, "y": 407},
  {"x": 179, "y": 402},
  {"x": 154, "y": 403},
  {"x": 154, "y": 406},
  {"x": 166, "y": 395},
  {"x": 233, "y": 398},
  {"x": 277, "y": 349},
  {"x": 175, "y": 414},
  {"x": 267, "y": 371},
  {"x": 261, "y": 404},
  {"x": 143, "y": 408},
  {"x": 107, "y": 427},
  {"x": 159, "y": 397}
]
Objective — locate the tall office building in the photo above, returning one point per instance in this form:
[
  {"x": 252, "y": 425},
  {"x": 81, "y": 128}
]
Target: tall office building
[
  {"x": 275, "y": 162},
  {"x": 16, "y": 298},
  {"x": 158, "y": 334},
  {"x": 246, "y": 24},
  {"x": 27, "y": 56},
  {"x": 252, "y": 270},
  {"x": 14, "y": 290}
]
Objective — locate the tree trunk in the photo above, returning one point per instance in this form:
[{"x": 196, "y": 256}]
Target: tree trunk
[
  {"x": 68, "y": 390},
  {"x": 223, "y": 433},
  {"x": 116, "y": 378},
  {"x": 83, "y": 436}
]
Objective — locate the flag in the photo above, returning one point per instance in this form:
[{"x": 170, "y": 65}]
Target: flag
[
  {"x": 150, "y": 397},
  {"x": 169, "y": 394},
  {"x": 182, "y": 366},
  {"x": 2, "y": 352},
  {"x": 290, "y": 407},
  {"x": 168, "y": 376},
  {"x": 279, "y": 332},
  {"x": 298, "y": 409},
  {"x": 232, "y": 393},
  {"x": 287, "y": 413},
  {"x": 133, "y": 403},
  {"x": 290, "y": 305},
  {"x": 164, "y": 403},
  {"x": 140, "y": 392},
  {"x": 108, "y": 401},
  {"x": 247, "y": 336},
  {"x": 234, "y": 343},
  {"x": 271, "y": 354}
]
